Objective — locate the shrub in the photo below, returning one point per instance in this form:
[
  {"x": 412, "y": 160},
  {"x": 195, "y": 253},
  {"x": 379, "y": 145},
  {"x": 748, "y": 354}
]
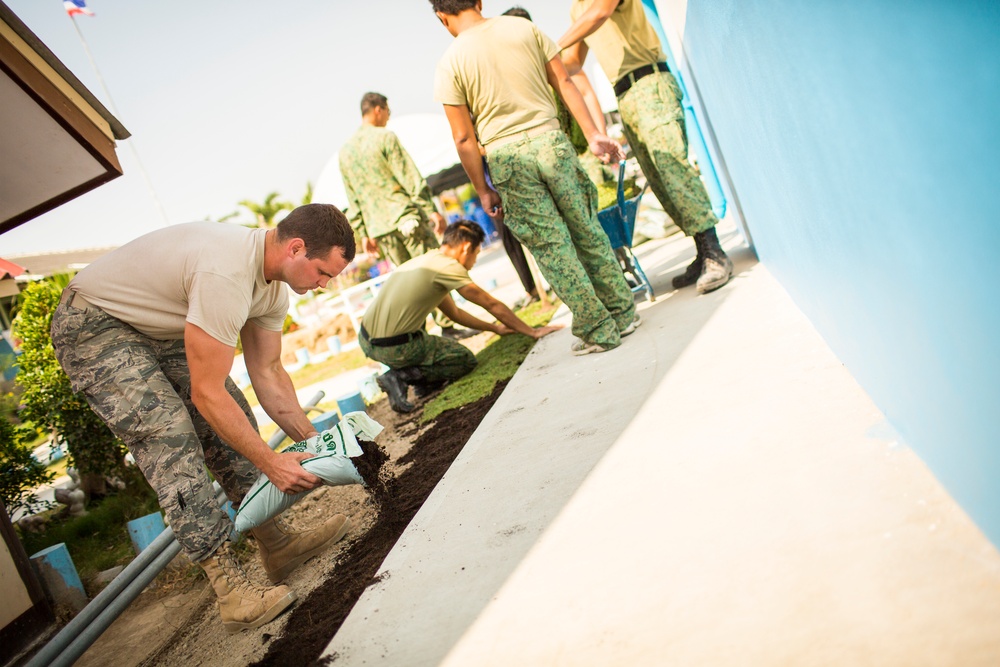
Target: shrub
[
  {"x": 48, "y": 400},
  {"x": 20, "y": 474}
]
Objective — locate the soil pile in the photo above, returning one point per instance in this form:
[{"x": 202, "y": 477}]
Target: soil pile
[{"x": 313, "y": 621}]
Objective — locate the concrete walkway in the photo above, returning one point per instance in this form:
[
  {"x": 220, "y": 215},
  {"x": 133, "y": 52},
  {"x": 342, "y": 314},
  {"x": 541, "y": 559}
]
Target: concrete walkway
[{"x": 717, "y": 491}]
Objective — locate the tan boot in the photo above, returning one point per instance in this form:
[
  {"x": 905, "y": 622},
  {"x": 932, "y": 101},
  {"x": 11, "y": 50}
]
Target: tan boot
[
  {"x": 282, "y": 549},
  {"x": 242, "y": 604}
]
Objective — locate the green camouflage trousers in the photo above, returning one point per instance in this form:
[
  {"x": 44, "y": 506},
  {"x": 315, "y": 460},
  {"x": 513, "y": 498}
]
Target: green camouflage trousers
[
  {"x": 439, "y": 358},
  {"x": 550, "y": 205},
  {"x": 398, "y": 248},
  {"x": 141, "y": 388},
  {"x": 653, "y": 120}
]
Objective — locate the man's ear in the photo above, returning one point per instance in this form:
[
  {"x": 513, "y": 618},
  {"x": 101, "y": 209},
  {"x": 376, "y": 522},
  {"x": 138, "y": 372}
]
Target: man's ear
[
  {"x": 295, "y": 247},
  {"x": 442, "y": 17}
]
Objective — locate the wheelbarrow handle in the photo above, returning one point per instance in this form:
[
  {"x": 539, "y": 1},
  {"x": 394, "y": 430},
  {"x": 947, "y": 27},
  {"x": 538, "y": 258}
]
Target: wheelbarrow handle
[{"x": 621, "y": 186}]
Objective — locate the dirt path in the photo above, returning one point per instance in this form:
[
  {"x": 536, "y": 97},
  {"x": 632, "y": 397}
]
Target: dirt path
[{"x": 176, "y": 623}]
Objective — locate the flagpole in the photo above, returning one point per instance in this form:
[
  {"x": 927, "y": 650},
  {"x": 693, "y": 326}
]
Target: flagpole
[{"x": 131, "y": 140}]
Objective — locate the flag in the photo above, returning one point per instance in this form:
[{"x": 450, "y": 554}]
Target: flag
[{"x": 74, "y": 7}]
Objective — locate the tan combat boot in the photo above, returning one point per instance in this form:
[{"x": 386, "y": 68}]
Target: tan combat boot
[
  {"x": 242, "y": 604},
  {"x": 282, "y": 549}
]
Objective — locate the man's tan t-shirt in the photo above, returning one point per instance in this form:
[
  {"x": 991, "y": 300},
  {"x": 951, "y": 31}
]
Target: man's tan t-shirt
[
  {"x": 210, "y": 274},
  {"x": 497, "y": 69},
  {"x": 413, "y": 290},
  {"x": 624, "y": 42}
]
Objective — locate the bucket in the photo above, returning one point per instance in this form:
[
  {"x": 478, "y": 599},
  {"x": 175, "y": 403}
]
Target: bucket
[
  {"x": 326, "y": 421},
  {"x": 351, "y": 403},
  {"x": 144, "y": 530},
  {"x": 59, "y": 576}
]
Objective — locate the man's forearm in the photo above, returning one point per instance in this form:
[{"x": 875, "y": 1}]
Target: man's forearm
[
  {"x": 507, "y": 317},
  {"x": 574, "y": 101},
  {"x": 582, "y": 83},
  {"x": 472, "y": 161},
  {"x": 229, "y": 422},
  {"x": 276, "y": 394}
]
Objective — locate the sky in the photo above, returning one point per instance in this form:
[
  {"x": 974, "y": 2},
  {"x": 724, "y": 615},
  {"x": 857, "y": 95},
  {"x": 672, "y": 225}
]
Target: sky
[{"x": 230, "y": 100}]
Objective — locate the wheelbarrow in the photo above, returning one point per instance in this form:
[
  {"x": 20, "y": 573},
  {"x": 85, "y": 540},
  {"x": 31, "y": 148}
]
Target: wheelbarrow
[{"x": 618, "y": 222}]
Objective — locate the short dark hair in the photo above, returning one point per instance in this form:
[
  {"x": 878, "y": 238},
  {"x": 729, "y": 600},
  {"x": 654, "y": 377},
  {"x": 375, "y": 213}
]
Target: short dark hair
[
  {"x": 518, "y": 11},
  {"x": 461, "y": 231},
  {"x": 321, "y": 227},
  {"x": 452, "y": 7},
  {"x": 370, "y": 101}
]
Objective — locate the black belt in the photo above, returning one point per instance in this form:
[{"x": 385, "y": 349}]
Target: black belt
[
  {"x": 389, "y": 341},
  {"x": 626, "y": 81}
]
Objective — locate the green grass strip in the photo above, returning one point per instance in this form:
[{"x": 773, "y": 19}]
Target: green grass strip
[{"x": 498, "y": 361}]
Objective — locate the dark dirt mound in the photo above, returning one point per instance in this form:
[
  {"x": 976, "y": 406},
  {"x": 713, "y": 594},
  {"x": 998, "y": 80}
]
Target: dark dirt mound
[
  {"x": 317, "y": 618},
  {"x": 370, "y": 466}
]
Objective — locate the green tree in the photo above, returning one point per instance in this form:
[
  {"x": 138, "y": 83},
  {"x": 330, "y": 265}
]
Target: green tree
[
  {"x": 266, "y": 211},
  {"x": 49, "y": 401},
  {"x": 20, "y": 474},
  {"x": 307, "y": 198}
]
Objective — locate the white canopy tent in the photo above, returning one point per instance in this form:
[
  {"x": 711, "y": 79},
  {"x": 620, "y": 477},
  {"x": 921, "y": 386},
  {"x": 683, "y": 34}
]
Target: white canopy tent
[{"x": 425, "y": 136}]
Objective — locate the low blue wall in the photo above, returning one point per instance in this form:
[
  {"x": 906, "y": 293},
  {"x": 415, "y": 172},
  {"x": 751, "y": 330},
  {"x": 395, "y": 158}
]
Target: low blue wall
[{"x": 863, "y": 141}]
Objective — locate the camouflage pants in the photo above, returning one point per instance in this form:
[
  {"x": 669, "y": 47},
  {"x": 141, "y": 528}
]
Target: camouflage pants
[
  {"x": 439, "y": 358},
  {"x": 399, "y": 248},
  {"x": 141, "y": 388},
  {"x": 550, "y": 205},
  {"x": 653, "y": 120}
]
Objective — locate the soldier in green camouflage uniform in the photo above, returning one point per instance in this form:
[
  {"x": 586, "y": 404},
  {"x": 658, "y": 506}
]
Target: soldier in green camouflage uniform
[
  {"x": 495, "y": 82},
  {"x": 649, "y": 101},
  {"x": 392, "y": 328},
  {"x": 390, "y": 204},
  {"x": 550, "y": 204}
]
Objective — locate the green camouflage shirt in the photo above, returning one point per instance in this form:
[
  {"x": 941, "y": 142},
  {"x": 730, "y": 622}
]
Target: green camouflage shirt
[{"x": 382, "y": 183}]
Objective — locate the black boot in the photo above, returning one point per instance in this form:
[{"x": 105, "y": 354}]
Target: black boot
[
  {"x": 693, "y": 270},
  {"x": 395, "y": 388},
  {"x": 717, "y": 268},
  {"x": 422, "y": 387}
]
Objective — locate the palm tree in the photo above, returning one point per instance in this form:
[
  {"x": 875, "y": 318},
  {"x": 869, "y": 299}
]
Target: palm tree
[{"x": 266, "y": 211}]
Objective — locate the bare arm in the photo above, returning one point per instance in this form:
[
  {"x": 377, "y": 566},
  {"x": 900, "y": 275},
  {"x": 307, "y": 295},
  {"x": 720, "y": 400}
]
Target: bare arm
[
  {"x": 464, "y": 135},
  {"x": 573, "y": 58},
  {"x": 588, "y": 23},
  {"x": 499, "y": 310},
  {"x": 210, "y": 362},
  {"x": 456, "y": 314},
  {"x": 600, "y": 145},
  {"x": 582, "y": 82},
  {"x": 274, "y": 389}
]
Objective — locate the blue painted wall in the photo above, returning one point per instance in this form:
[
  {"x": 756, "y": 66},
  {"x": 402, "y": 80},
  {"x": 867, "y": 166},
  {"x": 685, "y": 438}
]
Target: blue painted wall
[{"x": 863, "y": 141}]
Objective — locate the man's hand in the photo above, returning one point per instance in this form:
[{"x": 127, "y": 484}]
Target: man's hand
[
  {"x": 287, "y": 474},
  {"x": 440, "y": 224},
  {"x": 504, "y": 330},
  {"x": 606, "y": 148},
  {"x": 492, "y": 204},
  {"x": 369, "y": 246},
  {"x": 546, "y": 330}
]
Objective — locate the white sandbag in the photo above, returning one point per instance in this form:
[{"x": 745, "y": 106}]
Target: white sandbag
[{"x": 334, "y": 449}]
